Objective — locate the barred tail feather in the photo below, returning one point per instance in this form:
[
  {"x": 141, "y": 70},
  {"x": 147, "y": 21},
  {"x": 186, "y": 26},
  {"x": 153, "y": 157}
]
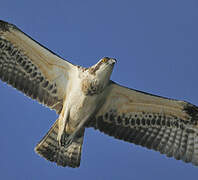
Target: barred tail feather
[{"x": 49, "y": 149}]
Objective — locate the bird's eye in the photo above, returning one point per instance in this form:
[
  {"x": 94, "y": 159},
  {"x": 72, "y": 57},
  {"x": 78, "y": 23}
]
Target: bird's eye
[{"x": 105, "y": 59}]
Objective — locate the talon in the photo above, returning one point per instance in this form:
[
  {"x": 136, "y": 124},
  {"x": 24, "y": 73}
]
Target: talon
[
  {"x": 62, "y": 139},
  {"x": 65, "y": 140},
  {"x": 59, "y": 139},
  {"x": 68, "y": 141}
]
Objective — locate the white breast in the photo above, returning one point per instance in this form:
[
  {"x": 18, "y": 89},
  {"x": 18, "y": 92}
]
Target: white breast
[{"x": 79, "y": 103}]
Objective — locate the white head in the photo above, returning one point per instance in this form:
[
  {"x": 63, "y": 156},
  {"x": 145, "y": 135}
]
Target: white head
[{"x": 103, "y": 69}]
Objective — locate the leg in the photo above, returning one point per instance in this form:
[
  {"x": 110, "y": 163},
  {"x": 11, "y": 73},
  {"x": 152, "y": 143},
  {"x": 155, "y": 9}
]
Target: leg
[
  {"x": 80, "y": 126},
  {"x": 49, "y": 148},
  {"x": 63, "y": 120}
]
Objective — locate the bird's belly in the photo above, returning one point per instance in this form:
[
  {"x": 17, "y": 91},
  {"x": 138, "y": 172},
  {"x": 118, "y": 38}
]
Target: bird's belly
[{"x": 80, "y": 108}]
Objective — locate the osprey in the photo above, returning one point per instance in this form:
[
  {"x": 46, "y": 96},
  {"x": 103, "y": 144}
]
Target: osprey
[{"x": 86, "y": 97}]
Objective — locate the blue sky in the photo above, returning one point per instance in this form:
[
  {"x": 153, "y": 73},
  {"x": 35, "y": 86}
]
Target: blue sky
[{"x": 155, "y": 43}]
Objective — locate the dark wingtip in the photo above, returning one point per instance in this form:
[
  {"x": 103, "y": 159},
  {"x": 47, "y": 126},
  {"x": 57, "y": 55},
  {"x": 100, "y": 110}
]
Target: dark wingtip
[
  {"x": 192, "y": 110},
  {"x": 5, "y": 26}
]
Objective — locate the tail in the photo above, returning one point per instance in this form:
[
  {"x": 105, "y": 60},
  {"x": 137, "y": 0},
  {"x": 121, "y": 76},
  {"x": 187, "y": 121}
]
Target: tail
[{"x": 49, "y": 149}]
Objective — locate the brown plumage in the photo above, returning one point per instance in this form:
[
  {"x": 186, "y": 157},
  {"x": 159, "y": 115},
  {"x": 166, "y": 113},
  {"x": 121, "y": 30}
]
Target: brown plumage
[
  {"x": 165, "y": 125},
  {"x": 86, "y": 97},
  {"x": 49, "y": 149},
  {"x": 39, "y": 74}
]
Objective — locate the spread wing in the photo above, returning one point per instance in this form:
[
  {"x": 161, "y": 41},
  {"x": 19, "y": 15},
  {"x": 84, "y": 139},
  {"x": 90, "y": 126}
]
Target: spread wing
[
  {"x": 31, "y": 68},
  {"x": 165, "y": 125}
]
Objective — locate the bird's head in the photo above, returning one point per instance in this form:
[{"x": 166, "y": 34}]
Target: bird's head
[
  {"x": 105, "y": 65},
  {"x": 107, "y": 61},
  {"x": 103, "y": 68}
]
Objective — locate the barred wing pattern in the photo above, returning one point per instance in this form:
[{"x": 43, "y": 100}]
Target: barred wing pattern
[
  {"x": 49, "y": 148},
  {"x": 31, "y": 68},
  {"x": 165, "y": 125}
]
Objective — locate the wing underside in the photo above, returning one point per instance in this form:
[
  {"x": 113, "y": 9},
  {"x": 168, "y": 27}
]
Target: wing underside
[
  {"x": 161, "y": 124},
  {"x": 31, "y": 68}
]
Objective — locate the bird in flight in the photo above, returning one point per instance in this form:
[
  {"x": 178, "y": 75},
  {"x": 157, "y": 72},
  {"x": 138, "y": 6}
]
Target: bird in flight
[{"x": 86, "y": 97}]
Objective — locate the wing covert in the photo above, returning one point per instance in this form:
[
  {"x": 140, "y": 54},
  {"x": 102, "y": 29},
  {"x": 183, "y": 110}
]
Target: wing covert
[
  {"x": 165, "y": 125},
  {"x": 31, "y": 68}
]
